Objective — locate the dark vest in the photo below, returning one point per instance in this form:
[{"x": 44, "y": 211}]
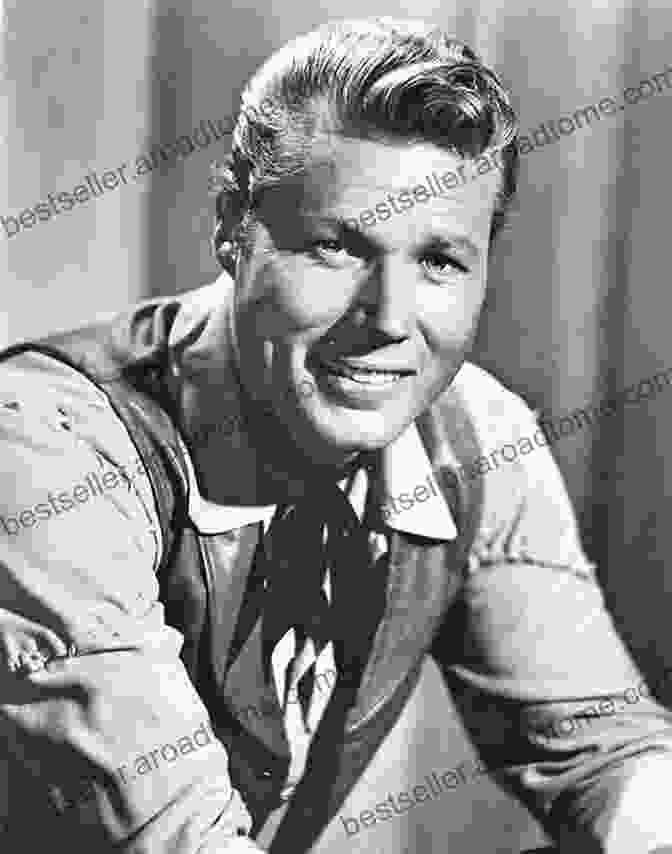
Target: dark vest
[{"x": 202, "y": 582}]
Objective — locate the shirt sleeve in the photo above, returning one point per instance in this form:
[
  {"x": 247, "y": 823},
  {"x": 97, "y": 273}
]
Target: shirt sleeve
[
  {"x": 546, "y": 688},
  {"x": 103, "y": 740}
]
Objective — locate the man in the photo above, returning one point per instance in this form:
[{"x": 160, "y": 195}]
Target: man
[{"x": 216, "y": 500}]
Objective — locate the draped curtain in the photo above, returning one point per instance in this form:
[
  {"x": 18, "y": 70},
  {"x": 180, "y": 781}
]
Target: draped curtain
[{"x": 579, "y": 282}]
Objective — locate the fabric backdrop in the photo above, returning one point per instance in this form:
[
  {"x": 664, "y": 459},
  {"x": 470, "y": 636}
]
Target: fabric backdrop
[{"x": 579, "y": 284}]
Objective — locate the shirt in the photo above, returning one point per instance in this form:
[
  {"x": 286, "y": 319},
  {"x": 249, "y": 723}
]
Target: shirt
[
  {"x": 408, "y": 465},
  {"x": 79, "y": 549}
]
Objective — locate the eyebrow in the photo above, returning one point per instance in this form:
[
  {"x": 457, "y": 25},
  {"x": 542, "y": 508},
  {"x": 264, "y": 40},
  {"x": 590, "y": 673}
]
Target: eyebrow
[
  {"x": 350, "y": 226},
  {"x": 452, "y": 241}
]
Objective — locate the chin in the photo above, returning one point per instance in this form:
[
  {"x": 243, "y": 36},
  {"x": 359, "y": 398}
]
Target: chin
[{"x": 342, "y": 431}]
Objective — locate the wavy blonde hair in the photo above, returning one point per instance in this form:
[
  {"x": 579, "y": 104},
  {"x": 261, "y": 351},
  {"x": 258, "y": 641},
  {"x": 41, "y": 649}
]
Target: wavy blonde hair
[{"x": 376, "y": 78}]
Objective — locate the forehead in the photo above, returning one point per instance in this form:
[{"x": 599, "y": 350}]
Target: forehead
[{"x": 425, "y": 189}]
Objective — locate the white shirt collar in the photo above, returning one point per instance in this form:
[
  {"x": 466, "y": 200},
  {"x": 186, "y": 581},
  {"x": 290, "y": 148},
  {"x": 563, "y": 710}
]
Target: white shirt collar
[{"x": 414, "y": 501}]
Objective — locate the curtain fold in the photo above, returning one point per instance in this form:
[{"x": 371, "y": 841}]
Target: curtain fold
[{"x": 579, "y": 298}]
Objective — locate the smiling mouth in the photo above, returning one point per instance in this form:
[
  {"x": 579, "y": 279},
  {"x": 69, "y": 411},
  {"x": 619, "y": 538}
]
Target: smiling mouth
[{"x": 363, "y": 375}]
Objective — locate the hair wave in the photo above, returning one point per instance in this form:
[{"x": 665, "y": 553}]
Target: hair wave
[{"x": 376, "y": 78}]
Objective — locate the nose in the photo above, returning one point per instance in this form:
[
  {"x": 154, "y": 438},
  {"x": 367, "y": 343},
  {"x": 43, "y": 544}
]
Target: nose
[{"x": 386, "y": 300}]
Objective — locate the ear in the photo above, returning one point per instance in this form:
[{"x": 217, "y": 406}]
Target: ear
[
  {"x": 230, "y": 207},
  {"x": 223, "y": 249}
]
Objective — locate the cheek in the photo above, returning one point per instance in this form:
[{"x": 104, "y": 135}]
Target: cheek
[
  {"x": 449, "y": 317},
  {"x": 291, "y": 296}
]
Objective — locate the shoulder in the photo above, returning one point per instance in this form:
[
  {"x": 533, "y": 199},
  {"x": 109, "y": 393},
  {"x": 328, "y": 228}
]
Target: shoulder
[
  {"x": 62, "y": 449},
  {"x": 41, "y": 396},
  {"x": 526, "y": 508},
  {"x": 496, "y": 414},
  {"x": 46, "y": 399}
]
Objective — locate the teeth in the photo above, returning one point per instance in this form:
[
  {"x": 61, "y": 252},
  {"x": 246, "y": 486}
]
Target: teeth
[
  {"x": 374, "y": 378},
  {"x": 365, "y": 376}
]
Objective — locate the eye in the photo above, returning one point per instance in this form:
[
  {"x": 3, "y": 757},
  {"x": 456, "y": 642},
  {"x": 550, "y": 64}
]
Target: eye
[
  {"x": 326, "y": 244},
  {"x": 440, "y": 266},
  {"x": 332, "y": 251}
]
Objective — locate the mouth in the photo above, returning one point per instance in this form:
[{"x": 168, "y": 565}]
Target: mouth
[{"x": 366, "y": 375}]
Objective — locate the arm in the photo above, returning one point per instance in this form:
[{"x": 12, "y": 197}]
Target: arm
[
  {"x": 547, "y": 689},
  {"x": 108, "y": 743}
]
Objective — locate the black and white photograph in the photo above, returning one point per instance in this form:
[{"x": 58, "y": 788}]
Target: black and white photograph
[{"x": 335, "y": 396}]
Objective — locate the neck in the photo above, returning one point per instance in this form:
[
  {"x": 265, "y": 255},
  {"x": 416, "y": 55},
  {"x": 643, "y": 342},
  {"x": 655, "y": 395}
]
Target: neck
[{"x": 283, "y": 468}]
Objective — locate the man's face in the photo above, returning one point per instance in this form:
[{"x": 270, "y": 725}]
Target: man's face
[{"x": 348, "y": 333}]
